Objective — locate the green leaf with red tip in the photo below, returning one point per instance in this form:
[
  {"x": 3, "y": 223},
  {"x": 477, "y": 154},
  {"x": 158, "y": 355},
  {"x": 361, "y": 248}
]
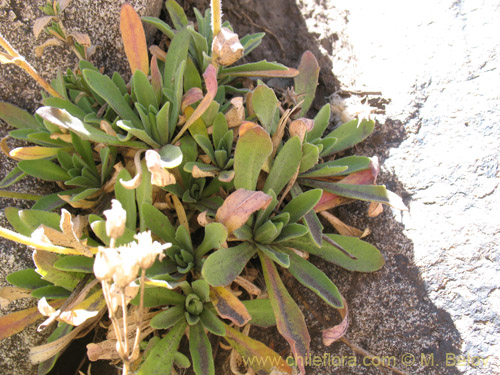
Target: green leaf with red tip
[
  {"x": 307, "y": 80},
  {"x": 289, "y": 319}
]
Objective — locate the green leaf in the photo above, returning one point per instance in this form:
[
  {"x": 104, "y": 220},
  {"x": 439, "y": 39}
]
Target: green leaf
[
  {"x": 350, "y": 133},
  {"x": 51, "y": 292},
  {"x": 171, "y": 156},
  {"x": 192, "y": 77},
  {"x": 127, "y": 197},
  {"x": 160, "y": 25},
  {"x": 369, "y": 259},
  {"x": 45, "y": 260},
  {"x": 176, "y": 13},
  {"x": 265, "y": 104},
  {"x": 177, "y": 97},
  {"x": 12, "y": 215},
  {"x": 143, "y": 89},
  {"x": 302, "y": 204},
  {"x": 275, "y": 254},
  {"x": 291, "y": 231},
  {"x": 27, "y": 279},
  {"x": 325, "y": 171},
  {"x": 252, "y": 351},
  {"x": 353, "y": 164},
  {"x": 12, "y": 177},
  {"x": 72, "y": 109},
  {"x": 201, "y": 351},
  {"x": 157, "y": 296},
  {"x": 224, "y": 265},
  {"x": 158, "y": 223},
  {"x": 61, "y": 118},
  {"x": 215, "y": 236},
  {"x": 289, "y": 319},
  {"x": 162, "y": 121},
  {"x": 310, "y": 157},
  {"x": 370, "y": 193},
  {"x": 316, "y": 280},
  {"x": 310, "y": 219},
  {"x": 261, "y": 312},
  {"x": 251, "y": 41},
  {"x": 252, "y": 150},
  {"x": 211, "y": 322},
  {"x": 50, "y": 202},
  {"x": 99, "y": 228},
  {"x": 168, "y": 318},
  {"x": 106, "y": 88},
  {"x": 321, "y": 121},
  {"x": 285, "y": 165},
  {"x": 267, "y": 232},
  {"x": 160, "y": 359},
  {"x": 144, "y": 194},
  {"x": 177, "y": 52},
  {"x": 307, "y": 80},
  {"x": 257, "y": 69},
  {"x": 44, "y": 170},
  {"x": 17, "y": 117},
  {"x": 200, "y": 45},
  {"x": 75, "y": 263},
  {"x": 34, "y": 218},
  {"x": 139, "y": 133}
]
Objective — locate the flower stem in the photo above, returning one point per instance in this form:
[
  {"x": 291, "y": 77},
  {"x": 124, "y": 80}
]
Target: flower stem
[{"x": 216, "y": 16}]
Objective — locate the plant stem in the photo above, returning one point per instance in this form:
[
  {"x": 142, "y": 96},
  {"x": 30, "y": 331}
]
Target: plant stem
[{"x": 14, "y": 195}]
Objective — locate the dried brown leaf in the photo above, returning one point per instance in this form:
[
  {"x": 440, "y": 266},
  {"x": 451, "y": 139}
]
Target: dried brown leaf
[
  {"x": 238, "y": 207},
  {"x": 332, "y": 334},
  {"x": 40, "y": 24},
  {"x": 375, "y": 209},
  {"x": 50, "y": 42}
]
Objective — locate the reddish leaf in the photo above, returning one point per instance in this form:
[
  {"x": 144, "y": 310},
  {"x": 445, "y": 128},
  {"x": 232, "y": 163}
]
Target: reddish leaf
[
  {"x": 134, "y": 39},
  {"x": 238, "y": 207},
  {"x": 229, "y": 306},
  {"x": 365, "y": 177},
  {"x": 330, "y": 335},
  {"x": 15, "y": 322},
  {"x": 261, "y": 358},
  {"x": 210, "y": 77},
  {"x": 289, "y": 319},
  {"x": 307, "y": 80}
]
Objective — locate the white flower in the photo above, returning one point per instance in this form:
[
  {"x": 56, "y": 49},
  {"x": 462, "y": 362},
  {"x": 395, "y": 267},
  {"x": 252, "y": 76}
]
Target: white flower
[
  {"x": 159, "y": 175},
  {"x": 116, "y": 218},
  {"x": 106, "y": 261}
]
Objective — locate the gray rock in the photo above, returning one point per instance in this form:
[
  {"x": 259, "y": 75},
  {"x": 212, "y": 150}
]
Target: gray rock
[{"x": 100, "y": 20}]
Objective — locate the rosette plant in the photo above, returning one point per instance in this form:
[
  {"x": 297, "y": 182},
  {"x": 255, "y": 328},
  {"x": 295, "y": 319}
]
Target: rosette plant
[{"x": 186, "y": 183}]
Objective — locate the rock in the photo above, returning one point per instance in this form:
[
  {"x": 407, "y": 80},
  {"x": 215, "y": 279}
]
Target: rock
[{"x": 100, "y": 20}]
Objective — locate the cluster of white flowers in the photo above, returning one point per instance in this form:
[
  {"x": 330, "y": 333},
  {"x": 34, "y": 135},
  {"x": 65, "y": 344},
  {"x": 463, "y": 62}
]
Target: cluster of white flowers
[{"x": 121, "y": 265}]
